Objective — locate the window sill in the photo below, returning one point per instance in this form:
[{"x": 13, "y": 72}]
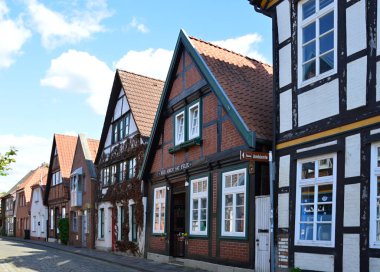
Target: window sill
[
  {"x": 186, "y": 144},
  {"x": 314, "y": 244}
]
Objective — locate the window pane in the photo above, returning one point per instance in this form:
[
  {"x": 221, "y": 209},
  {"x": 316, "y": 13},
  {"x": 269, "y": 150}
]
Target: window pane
[
  {"x": 203, "y": 214},
  {"x": 234, "y": 180},
  {"x": 306, "y": 231},
  {"x": 203, "y": 225},
  {"x": 228, "y": 200},
  {"x": 325, "y": 193},
  {"x": 195, "y": 187},
  {"x": 200, "y": 186},
  {"x": 326, "y": 62},
  {"x": 325, "y": 167},
  {"x": 228, "y": 181},
  {"x": 195, "y": 204},
  {"x": 307, "y": 213},
  {"x": 240, "y": 213},
  {"x": 227, "y": 225},
  {"x": 195, "y": 214},
  {"x": 205, "y": 186},
  {"x": 308, "y": 170},
  {"x": 239, "y": 225},
  {"x": 326, "y": 42},
  {"x": 324, "y": 212},
  {"x": 308, "y": 70},
  {"x": 324, "y": 232},
  {"x": 378, "y": 185},
  {"x": 195, "y": 226},
  {"x": 324, "y": 3},
  {"x": 203, "y": 203},
  {"x": 307, "y": 194},
  {"x": 241, "y": 180},
  {"x": 308, "y": 51},
  {"x": 378, "y": 157},
  {"x": 228, "y": 213},
  {"x": 308, "y": 9},
  {"x": 308, "y": 33},
  {"x": 326, "y": 23},
  {"x": 240, "y": 199}
]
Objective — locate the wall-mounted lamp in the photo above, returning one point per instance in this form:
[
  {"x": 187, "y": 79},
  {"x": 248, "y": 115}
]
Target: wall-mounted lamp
[
  {"x": 167, "y": 188},
  {"x": 186, "y": 183}
]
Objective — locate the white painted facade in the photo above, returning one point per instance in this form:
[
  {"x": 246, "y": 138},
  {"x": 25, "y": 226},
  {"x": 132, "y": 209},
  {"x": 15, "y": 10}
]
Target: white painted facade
[
  {"x": 283, "y": 210},
  {"x": 283, "y": 16},
  {"x": 351, "y": 252},
  {"x": 285, "y": 62},
  {"x": 356, "y": 83},
  {"x": 105, "y": 243},
  {"x": 351, "y": 214},
  {"x": 286, "y": 111},
  {"x": 356, "y": 28},
  {"x": 38, "y": 215}
]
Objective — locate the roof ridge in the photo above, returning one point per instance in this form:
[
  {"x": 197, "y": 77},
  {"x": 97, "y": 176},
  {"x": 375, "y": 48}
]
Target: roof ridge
[
  {"x": 129, "y": 72},
  {"x": 228, "y": 50},
  {"x": 65, "y": 135}
]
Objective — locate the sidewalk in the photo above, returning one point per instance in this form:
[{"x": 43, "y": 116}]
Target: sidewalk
[{"x": 131, "y": 262}]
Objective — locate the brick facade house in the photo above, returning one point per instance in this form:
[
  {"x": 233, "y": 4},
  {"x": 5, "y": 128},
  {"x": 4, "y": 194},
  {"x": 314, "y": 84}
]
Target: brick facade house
[
  {"x": 57, "y": 193},
  {"x": 126, "y": 130},
  {"x": 83, "y": 187},
  {"x": 201, "y": 196}
]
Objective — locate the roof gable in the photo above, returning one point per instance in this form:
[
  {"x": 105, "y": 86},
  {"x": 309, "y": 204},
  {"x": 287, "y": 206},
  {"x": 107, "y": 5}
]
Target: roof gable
[
  {"x": 38, "y": 176},
  {"x": 65, "y": 148},
  {"x": 87, "y": 148}
]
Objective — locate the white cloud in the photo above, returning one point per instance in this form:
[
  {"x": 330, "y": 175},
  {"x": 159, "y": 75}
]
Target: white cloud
[
  {"x": 140, "y": 27},
  {"x": 57, "y": 28},
  {"x": 32, "y": 151},
  {"x": 246, "y": 45},
  {"x": 13, "y": 34},
  {"x": 151, "y": 62},
  {"x": 81, "y": 72}
]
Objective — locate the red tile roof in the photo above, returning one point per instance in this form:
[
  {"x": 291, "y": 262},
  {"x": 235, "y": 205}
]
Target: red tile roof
[
  {"x": 93, "y": 145},
  {"x": 66, "y": 149},
  {"x": 143, "y": 95},
  {"x": 38, "y": 176},
  {"x": 246, "y": 82}
]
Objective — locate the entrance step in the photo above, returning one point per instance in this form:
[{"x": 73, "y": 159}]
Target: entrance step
[{"x": 176, "y": 261}]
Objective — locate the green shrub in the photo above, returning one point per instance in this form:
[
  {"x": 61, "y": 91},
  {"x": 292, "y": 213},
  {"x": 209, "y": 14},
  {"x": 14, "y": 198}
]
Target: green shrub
[
  {"x": 63, "y": 226},
  {"x": 296, "y": 269}
]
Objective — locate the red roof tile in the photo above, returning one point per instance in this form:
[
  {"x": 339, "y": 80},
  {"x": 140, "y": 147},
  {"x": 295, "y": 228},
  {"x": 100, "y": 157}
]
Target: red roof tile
[
  {"x": 143, "y": 95},
  {"x": 93, "y": 145},
  {"x": 38, "y": 176},
  {"x": 66, "y": 149},
  {"x": 246, "y": 82}
]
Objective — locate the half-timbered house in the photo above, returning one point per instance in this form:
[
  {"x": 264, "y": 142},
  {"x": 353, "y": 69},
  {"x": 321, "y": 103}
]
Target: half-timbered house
[
  {"x": 201, "y": 196},
  {"x": 83, "y": 188},
  {"x": 57, "y": 193},
  {"x": 126, "y": 130},
  {"x": 326, "y": 60}
]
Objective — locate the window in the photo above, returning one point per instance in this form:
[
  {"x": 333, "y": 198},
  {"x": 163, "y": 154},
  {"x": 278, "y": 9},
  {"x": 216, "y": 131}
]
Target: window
[
  {"x": 159, "y": 210},
  {"x": 106, "y": 177},
  {"x": 375, "y": 196},
  {"x": 194, "y": 121},
  {"x": 120, "y": 128},
  {"x": 51, "y": 219},
  {"x": 75, "y": 223},
  {"x": 34, "y": 222},
  {"x": 132, "y": 168},
  {"x": 121, "y": 222},
  {"x": 121, "y": 171},
  {"x": 63, "y": 212},
  {"x": 56, "y": 178},
  {"x": 42, "y": 224},
  {"x": 101, "y": 223},
  {"x": 317, "y": 39},
  {"x": 134, "y": 224},
  {"x": 114, "y": 173},
  {"x": 234, "y": 189},
  {"x": 36, "y": 195},
  {"x": 315, "y": 201},
  {"x": 198, "y": 206},
  {"x": 179, "y": 128}
]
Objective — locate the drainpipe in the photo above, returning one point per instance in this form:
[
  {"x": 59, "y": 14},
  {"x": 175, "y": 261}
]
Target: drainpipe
[{"x": 271, "y": 183}]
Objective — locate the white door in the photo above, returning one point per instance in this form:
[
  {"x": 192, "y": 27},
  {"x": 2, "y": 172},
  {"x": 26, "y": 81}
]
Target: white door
[{"x": 262, "y": 245}]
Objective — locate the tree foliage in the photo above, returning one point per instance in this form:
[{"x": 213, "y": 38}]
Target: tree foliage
[{"x": 6, "y": 160}]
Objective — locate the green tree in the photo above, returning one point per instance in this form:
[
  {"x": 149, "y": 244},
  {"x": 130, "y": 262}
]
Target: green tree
[{"x": 6, "y": 160}]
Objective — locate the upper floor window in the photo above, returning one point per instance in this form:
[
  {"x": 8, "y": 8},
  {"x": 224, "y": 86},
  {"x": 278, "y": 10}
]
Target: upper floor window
[
  {"x": 315, "y": 201},
  {"x": 36, "y": 196},
  {"x": 132, "y": 168},
  {"x": 317, "y": 39},
  {"x": 187, "y": 124},
  {"x": 120, "y": 128},
  {"x": 375, "y": 197},
  {"x": 56, "y": 178}
]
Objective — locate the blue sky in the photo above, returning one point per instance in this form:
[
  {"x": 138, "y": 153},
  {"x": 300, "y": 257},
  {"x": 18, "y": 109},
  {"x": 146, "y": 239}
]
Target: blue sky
[{"x": 58, "y": 58}]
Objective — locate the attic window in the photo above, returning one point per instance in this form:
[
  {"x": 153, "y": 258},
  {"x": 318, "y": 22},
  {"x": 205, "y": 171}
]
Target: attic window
[{"x": 120, "y": 128}]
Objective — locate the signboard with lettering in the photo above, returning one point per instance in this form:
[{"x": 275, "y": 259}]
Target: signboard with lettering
[
  {"x": 254, "y": 156},
  {"x": 174, "y": 169}
]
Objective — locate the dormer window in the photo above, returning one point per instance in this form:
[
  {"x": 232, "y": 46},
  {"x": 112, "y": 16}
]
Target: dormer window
[
  {"x": 120, "y": 128},
  {"x": 316, "y": 39}
]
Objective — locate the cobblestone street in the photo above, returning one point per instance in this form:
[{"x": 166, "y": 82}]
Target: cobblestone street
[{"x": 18, "y": 256}]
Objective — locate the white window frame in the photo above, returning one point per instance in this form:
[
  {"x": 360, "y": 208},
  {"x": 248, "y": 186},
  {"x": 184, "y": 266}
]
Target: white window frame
[
  {"x": 178, "y": 141},
  {"x": 132, "y": 168},
  {"x": 159, "y": 201},
  {"x": 75, "y": 222},
  {"x": 120, "y": 223},
  {"x": 375, "y": 172},
  {"x": 190, "y": 123},
  {"x": 198, "y": 196},
  {"x": 101, "y": 223},
  {"x": 63, "y": 212},
  {"x": 52, "y": 219},
  {"x": 316, "y": 181},
  {"x": 303, "y": 23},
  {"x": 234, "y": 191}
]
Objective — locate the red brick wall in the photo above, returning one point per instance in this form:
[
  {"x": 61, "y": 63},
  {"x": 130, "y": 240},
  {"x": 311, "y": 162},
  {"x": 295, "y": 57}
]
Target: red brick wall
[
  {"x": 210, "y": 108},
  {"x": 156, "y": 166},
  {"x": 234, "y": 251},
  {"x": 179, "y": 157},
  {"x": 168, "y": 158},
  {"x": 209, "y": 140},
  {"x": 230, "y": 136},
  {"x": 198, "y": 247},
  {"x": 168, "y": 130},
  {"x": 176, "y": 88},
  {"x": 192, "y": 76},
  {"x": 157, "y": 244},
  {"x": 194, "y": 153}
]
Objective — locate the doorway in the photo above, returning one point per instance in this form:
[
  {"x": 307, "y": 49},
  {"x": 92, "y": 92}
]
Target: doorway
[
  {"x": 262, "y": 234},
  {"x": 178, "y": 225}
]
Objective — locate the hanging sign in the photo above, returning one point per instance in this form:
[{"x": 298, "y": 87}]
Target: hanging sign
[{"x": 254, "y": 156}]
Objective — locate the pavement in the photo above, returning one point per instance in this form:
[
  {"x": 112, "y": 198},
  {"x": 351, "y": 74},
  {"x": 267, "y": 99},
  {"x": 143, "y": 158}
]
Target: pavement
[{"x": 134, "y": 263}]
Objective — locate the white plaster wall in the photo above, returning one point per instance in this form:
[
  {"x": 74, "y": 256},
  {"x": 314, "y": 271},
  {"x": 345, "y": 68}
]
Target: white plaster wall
[
  {"x": 283, "y": 21},
  {"x": 356, "y": 28},
  {"x": 315, "y": 262},
  {"x": 117, "y": 111},
  {"x": 356, "y": 83},
  {"x": 374, "y": 264},
  {"x": 316, "y": 146},
  {"x": 378, "y": 76},
  {"x": 125, "y": 107},
  {"x": 283, "y": 210},
  {"x": 351, "y": 215},
  {"x": 109, "y": 137},
  {"x": 352, "y": 156},
  {"x": 375, "y": 131},
  {"x": 106, "y": 242},
  {"x": 40, "y": 211},
  {"x": 286, "y": 110},
  {"x": 285, "y": 75},
  {"x": 132, "y": 126},
  {"x": 319, "y": 103},
  {"x": 351, "y": 254},
  {"x": 283, "y": 173}
]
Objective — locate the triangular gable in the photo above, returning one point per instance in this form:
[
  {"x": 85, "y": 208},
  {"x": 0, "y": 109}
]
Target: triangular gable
[
  {"x": 184, "y": 43},
  {"x": 86, "y": 148}
]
